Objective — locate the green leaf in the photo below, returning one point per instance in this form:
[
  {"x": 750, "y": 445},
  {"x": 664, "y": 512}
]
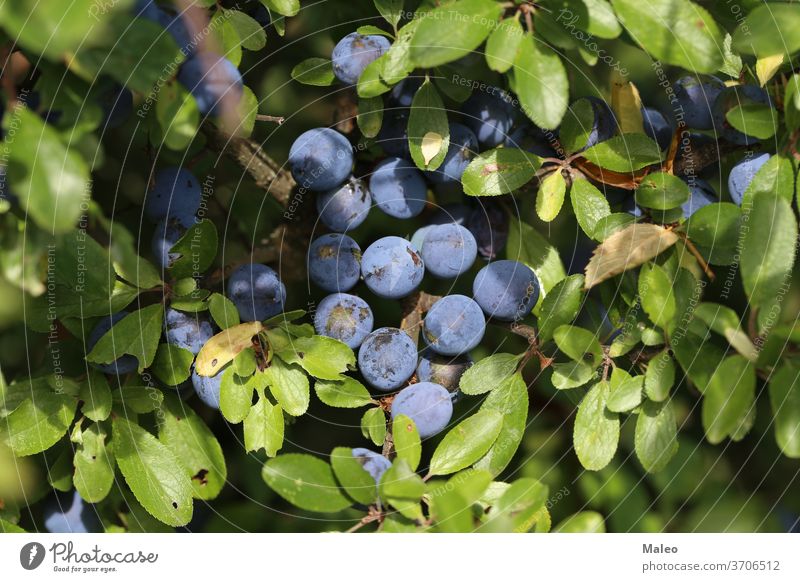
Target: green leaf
[
  {"x": 55, "y": 31},
  {"x": 370, "y": 116},
  {"x": 657, "y": 295},
  {"x": 725, "y": 321},
  {"x": 236, "y": 394},
  {"x": 754, "y": 119},
  {"x": 571, "y": 375},
  {"x": 121, "y": 54},
  {"x": 510, "y": 399},
  {"x": 223, "y": 311},
  {"x": 403, "y": 489},
  {"x": 659, "y": 377},
  {"x": 466, "y": 442},
  {"x": 577, "y": 126},
  {"x": 784, "y": 397},
  {"x": 153, "y": 473},
  {"x": 59, "y": 472},
  {"x": 172, "y": 365},
  {"x": 541, "y": 82},
  {"x": 579, "y": 344},
  {"x": 559, "y": 307},
  {"x": 503, "y": 45},
  {"x": 391, "y": 10},
  {"x": 407, "y": 445},
  {"x": 228, "y": 41},
  {"x": 94, "y": 466},
  {"x": 283, "y": 7},
  {"x": 662, "y": 191},
  {"x": 527, "y": 245},
  {"x": 596, "y": 433},
  {"x": 38, "y": 422},
  {"x": 656, "y": 439},
  {"x": 264, "y": 428},
  {"x": 453, "y": 31},
  {"x": 428, "y": 128},
  {"x": 499, "y": 171},
  {"x": 184, "y": 433},
  {"x": 677, "y": 32},
  {"x": 251, "y": 33},
  {"x": 196, "y": 250},
  {"x": 768, "y": 248},
  {"x": 320, "y": 356},
  {"x": 127, "y": 263},
  {"x": 589, "y": 205},
  {"x": 373, "y": 425},
  {"x": 624, "y": 153},
  {"x": 583, "y": 522},
  {"x": 96, "y": 396},
  {"x": 770, "y": 29},
  {"x": 488, "y": 373},
  {"x": 775, "y": 177},
  {"x": 520, "y": 504},
  {"x": 177, "y": 115},
  {"x": 314, "y": 71},
  {"x": 550, "y": 196},
  {"x": 289, "y": 385},
  {"x": 346, "y": 393},
  {"x": 715, "y": 225},
  {"x": 137, "y": 399},
  {"x": 136, "y": 334},
  {"x": 50, "y": 179},
  {"x": 306, "y": 482},
  {"x": 352, "y": 477},
  {"x": 728, "y": 397},
  {"x": 626, "y": 394}
]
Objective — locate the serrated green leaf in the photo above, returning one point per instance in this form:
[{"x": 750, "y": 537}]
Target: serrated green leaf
[
  {"x": 541, "y": 82},
  {"x": 510, "y": 399},
  {"x": 466, "y": 442},
  {"x": 264, "y": 428},
  {"x": 499, "y": 171},
  {"x": 488, "y": 373},
  {"x": 428, "y": 128},
  {"x": 345, "y": 393},
  {"x": 624, "y": 153},
  {"x": 596, "y": 433},
  {"x": 136, "y": 334},
  {"x": 784, "y": 397},
  {"x": 94, "y": 465},
  {"x": 289, "y": 385},
  {"x": 314, "y": 71},
  {"x": 728, "y": 397},
  {"x": 560, "y": 306},
  {"x": 550, "y": 196},
  {"x": 503, "y": 45},
  {"x": 407, "y": 444},
  {"x": 306, "y": 482}
]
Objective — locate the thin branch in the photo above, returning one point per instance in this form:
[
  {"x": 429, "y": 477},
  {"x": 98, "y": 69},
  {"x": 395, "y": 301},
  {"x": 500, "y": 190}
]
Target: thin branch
[{"x": 272, "y": 118}]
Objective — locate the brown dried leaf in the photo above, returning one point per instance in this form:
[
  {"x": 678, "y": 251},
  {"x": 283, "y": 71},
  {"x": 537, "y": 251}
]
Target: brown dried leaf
[{"x": 627, "y": 249}]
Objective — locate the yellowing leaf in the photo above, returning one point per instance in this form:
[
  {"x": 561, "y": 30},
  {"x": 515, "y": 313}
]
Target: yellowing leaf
[
  {"x": 627, "y": 105},
  {"x": 766, "y": 67},
  {"x": 627, "y": 249},
  {"x": 224, "y": 346},
  {"x": 431, "y": 144}
]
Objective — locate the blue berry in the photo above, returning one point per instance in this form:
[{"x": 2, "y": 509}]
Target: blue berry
[
  {"x": 334, "y": 262},
  {"x": 393, "y": 136},
  {"x": 398, "y": 188},
  {"x": 418, "y": 238},
  {"x": 387, "y": 358},
  {"x": 126, "y": 363},
  {"x": 429, "y": 405},
  {"x": 207, "y": 388},
  {"x": 67, "y": 513},
  {"x": 344, "y": 317},
  {"x": 489, "y": 224},
  {"x": 604, "y": 125},
  {"x": 657, "y": 127},
  {"x": 346, "y": 207},
  {"x": 449, "y": 250},
  {"x": 463, "y": 147},
  {"x": 257, "y": 292},
  {"x": 321, "y": 159},
  {"x": 185, "y": 330},
  {"x": 443, "y": 370},
  {"x": 696, "y": 98},
  {"x": 402, "y": 94},
  {"x": 454, "y": 325},
  {"x": 353, "y": 53},
  {"x": 451, "y": 214},
  {"x": 742, "y": 174},
  {"x": 374, "y": 463},
  {"x": 632, "y": 208},
  {"x": 213, "y": 81},
  {"x": 490, "y": 115},
  {"x": 506, "y": 290},
  {"x": 168, "y": 232},
  {"x": 176, "y": 192},
  {"x": 533, "y": 139},
  {"x": 392, "y": 267},
  {"x": 732, "y": 97},
  {"x": 700, "y": 194}
]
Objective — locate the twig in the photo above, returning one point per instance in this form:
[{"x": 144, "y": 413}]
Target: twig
[
  {"x": 272, "y": 118},
  {"x": 693, "y": 249},
  {"x": 248, "y": 154}
]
